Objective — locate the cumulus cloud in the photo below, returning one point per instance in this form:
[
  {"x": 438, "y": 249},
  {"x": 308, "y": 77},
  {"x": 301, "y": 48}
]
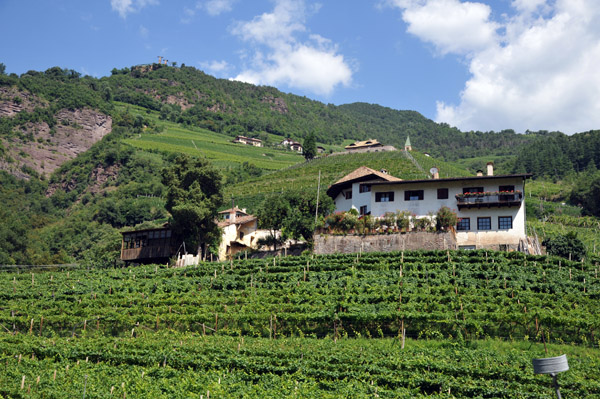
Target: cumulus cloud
[
  {"x": 536, "y": 69},
  {"x": 280, "y": 56},
  {"x": 452, "y": 26},
  {"x": 124, "y": 7},
  {"x": 215, "y": 66}
]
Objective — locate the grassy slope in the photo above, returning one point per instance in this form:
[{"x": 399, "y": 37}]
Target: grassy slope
[
  {"x": 201, "y": 142},
  {"x": 304, "y": 176},
  {"x": 549, "y": 214}
]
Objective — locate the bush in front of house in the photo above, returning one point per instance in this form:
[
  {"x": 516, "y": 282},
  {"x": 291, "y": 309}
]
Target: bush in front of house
[{"x": 445, "y": 218}]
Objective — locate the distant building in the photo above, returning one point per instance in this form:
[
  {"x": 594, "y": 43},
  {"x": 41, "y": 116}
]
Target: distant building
[
  {"x": 320, "y": 150},
  {"x": 148, "y": 245},
  {"x": 370, "y": 145},
  {"x": 407, "y": 146},
  {"x": 292, "y": 144},
  {"x": 248, "y": 141}
]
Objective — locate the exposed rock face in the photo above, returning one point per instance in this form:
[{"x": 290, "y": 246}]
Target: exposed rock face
[
  {"x": 180, "y": 100},
  {"x": 13, "y": 101},
  {"x": 44, "y": 150},
  {"x": 277, "y": 104},
  {"x": 98, "y": 178}
]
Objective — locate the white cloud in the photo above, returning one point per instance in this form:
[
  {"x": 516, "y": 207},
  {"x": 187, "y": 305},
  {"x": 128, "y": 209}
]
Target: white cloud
[
  {"x": 124, "y": 7},
  {"x": 281, "y": 57},
  {"x": 215, "y": 66},
  {"x": 540, "y": 73},
  {"x": 217, "y": 7},
  {"x": 452, "y": 26}
]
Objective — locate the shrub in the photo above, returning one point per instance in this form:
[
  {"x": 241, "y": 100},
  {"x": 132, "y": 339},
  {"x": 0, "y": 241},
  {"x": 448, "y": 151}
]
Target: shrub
[
  {"x": 445, "y": 218},
  {"x": 403, "y": 219}
]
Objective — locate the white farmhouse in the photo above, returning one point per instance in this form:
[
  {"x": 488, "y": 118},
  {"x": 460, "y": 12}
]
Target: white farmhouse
[
  {"x": 491, "y": 209},
  {"x": 240, "y": 232}
]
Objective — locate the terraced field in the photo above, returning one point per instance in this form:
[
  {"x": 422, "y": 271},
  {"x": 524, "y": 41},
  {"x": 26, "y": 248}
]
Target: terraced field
[
  {"x": 304, "y": 176},
  {"x": 312, "y": 327},
  {"x": 214, "y": 146}
]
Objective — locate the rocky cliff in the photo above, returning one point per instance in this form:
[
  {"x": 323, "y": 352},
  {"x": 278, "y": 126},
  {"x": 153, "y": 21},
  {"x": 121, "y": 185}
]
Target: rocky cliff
[{"x": 36, "y": 146}]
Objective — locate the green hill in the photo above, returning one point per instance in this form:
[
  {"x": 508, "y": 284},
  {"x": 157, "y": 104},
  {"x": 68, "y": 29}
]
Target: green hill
[{"x": 81, "y": 192}]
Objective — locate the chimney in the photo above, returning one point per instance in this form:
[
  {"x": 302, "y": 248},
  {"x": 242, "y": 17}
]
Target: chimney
[
  {"x": 436, "y": 175},
  {"x": 480, "y": 172},
  {"x": 490, "y": 169}
]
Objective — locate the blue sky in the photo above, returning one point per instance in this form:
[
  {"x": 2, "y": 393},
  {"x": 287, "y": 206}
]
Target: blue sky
[{"x": 478, "y": 65}]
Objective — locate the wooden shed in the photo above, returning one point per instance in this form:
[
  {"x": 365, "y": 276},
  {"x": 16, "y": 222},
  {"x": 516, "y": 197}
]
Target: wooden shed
[{"x": 148, "y": 245}]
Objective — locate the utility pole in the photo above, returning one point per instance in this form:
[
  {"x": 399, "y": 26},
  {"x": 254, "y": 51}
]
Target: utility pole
[{"x": 318, "y": 192}]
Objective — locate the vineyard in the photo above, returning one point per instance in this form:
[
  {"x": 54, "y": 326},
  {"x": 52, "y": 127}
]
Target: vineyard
[
  {"x": 204, "y": 143},
  {"x": 322, "y": 326},
  {"x": 304, "y": 175}
]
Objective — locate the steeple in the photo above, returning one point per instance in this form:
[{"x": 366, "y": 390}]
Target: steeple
[{"x": 407, "y": 146}]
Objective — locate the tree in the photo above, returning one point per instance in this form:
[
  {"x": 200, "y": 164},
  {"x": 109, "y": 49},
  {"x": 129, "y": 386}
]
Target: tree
[
  {"x": 566, "y": 246},
  {"x": 309, "y": 148},
  {"x": 271, "y": 215},
  {"x": 2, "y": 68},
  {"x": 293, "y": 213},
  {"x": 194, "y": 193},
  {"x": 300, "y": 222},
  {"x": 586, "y": 194}
]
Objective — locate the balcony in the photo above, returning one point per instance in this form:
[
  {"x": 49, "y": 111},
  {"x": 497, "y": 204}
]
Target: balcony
[{"x": 489, "y": 199}]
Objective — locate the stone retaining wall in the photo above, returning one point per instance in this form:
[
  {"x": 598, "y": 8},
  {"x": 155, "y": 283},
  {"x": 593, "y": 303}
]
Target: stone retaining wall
[{"x": 331, "y": 244}]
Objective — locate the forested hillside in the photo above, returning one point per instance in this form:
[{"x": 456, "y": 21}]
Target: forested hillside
[{"x": 84, "y": 156}]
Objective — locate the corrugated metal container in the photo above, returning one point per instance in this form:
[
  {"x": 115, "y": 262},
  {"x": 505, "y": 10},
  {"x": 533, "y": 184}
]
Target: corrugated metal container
[{"x": 550, "y": 365}]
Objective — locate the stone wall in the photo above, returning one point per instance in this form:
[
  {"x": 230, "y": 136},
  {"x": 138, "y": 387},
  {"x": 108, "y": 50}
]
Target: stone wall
[{"x": 330, "y": 244}]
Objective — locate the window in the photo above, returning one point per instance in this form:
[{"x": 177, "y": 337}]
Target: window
[
  {"x": 348, "y": 194},
  {"x": 484, "y": 223},
  {"x": 414, "y": 195},
  {"x": 472, "y": 190},
  {"x": 384, "y": 197},
  {"x": 364, "y": 188},
  {"x": 442, "y": 193},
  {"x": 467, "y": 247},
  {"x": 464, "y": 224},
  {"x": 504, "y": 222},
  {"x": 507, "y": 197},
  {"x": 363, "y": 210}
]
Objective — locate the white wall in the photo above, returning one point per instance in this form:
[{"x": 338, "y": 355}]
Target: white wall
[
  {"x": 358, "y": 199},
  {"x": 430, "y": 203}
]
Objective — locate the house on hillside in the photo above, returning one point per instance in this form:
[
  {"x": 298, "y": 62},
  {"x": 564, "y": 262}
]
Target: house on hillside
[
  {"x": 292, "y": 145},
  {"x": 354, "y": 189},
  {"x": 248, "y": 141},
  {"x": 240, "y": 232},
  {"x": 491, "y": 209},
  {"x": 320, "y": 150},
  {"x": 370, "y": 145},
  {"x": 148, "y": 245}
]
